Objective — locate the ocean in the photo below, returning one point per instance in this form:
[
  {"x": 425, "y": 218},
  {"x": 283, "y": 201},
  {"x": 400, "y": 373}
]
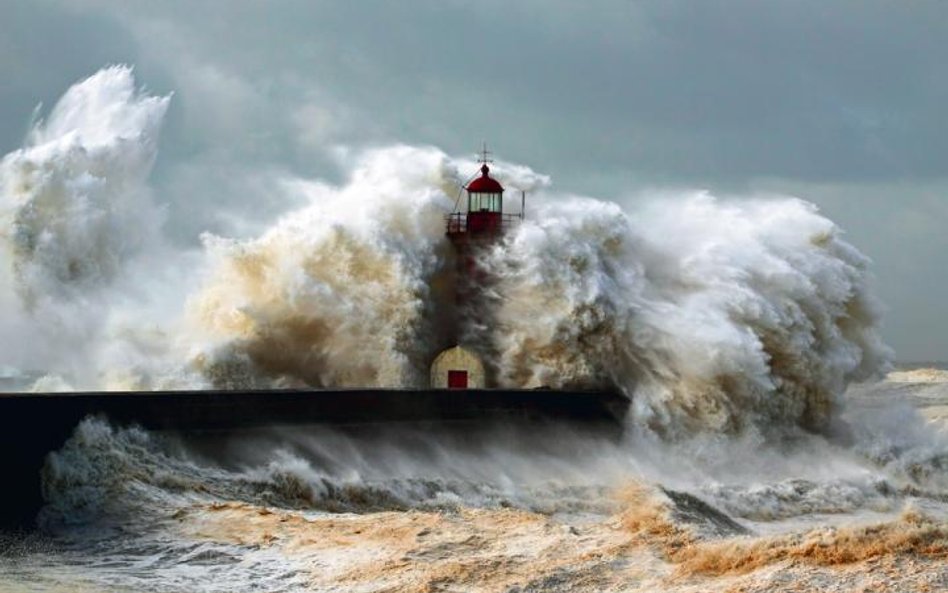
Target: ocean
[
  {"x": 768, "y": 446},
  {"x": 863, "y": 509}
]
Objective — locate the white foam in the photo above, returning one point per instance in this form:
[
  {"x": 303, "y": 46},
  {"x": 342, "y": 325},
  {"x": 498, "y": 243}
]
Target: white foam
[{"x": 715, "y": 315}]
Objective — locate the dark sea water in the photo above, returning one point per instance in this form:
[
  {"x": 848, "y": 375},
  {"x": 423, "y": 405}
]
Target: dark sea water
[{"x": 315, "y": 510}]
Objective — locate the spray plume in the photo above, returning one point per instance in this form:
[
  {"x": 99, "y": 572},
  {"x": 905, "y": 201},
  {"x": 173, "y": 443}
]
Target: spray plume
[
  {"x": 714, "y": 315},
  {"x": 74, "y": 200}
]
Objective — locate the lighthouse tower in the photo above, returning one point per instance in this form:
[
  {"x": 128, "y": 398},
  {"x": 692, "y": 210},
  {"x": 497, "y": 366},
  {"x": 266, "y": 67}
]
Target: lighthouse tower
[{"x": 472, "y": 231}]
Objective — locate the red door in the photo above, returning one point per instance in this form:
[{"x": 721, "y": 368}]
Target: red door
[{"x": 457, "y": 379}]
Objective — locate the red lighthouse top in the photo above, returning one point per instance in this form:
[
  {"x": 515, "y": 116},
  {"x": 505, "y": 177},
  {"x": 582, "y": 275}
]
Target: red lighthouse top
[
  {"x": 483, "y": 219},
  {"x": 485, "y": 184}
]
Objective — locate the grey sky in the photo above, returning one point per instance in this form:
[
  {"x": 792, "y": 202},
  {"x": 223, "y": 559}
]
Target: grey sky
[{"x": 841, "y": 103}]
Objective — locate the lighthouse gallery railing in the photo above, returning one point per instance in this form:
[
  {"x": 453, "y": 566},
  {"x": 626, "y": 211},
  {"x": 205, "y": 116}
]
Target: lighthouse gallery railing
[{"x": 457, "y": 222}]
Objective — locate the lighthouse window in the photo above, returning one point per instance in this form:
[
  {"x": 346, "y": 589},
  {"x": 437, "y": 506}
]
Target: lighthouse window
[{"x": 479, "y": 202}]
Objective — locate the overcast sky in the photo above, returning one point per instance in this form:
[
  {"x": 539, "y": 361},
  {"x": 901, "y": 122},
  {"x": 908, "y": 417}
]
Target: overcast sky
[{"x": 841, "y": 103}]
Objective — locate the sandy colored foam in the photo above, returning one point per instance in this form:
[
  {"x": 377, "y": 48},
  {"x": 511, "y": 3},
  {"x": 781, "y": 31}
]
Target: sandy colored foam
[
  {"x": 481, "y": 549},
  {"x": 638, "y": 548},
  {"x": 923, "y": 375}
]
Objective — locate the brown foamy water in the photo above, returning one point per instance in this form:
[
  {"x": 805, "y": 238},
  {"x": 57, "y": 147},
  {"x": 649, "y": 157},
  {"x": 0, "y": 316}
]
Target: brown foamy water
[
  {"x": 864, "y": 511},
  {"x": 734, "y": 324}
]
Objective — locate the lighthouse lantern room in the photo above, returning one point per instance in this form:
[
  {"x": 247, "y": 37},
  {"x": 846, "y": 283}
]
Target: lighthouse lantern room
[{"x": 484, "y": 217}]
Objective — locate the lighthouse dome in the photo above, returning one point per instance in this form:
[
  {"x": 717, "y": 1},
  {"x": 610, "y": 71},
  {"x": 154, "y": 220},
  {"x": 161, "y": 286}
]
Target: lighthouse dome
[{"x": 485, "y": 184}]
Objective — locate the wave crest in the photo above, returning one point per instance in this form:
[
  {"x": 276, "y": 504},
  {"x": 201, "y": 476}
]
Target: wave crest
[{"x": 713, "y": 315}]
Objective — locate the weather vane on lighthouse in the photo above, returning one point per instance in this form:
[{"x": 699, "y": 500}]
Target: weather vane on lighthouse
[{"x": 484, "y": 155}]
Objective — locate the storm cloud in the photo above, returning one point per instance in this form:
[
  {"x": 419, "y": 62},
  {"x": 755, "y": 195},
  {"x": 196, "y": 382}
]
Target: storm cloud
[{"x": 839, "y": 103}]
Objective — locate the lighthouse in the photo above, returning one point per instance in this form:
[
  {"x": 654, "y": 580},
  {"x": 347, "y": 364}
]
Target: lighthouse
[{"x": 473, "y": 230}]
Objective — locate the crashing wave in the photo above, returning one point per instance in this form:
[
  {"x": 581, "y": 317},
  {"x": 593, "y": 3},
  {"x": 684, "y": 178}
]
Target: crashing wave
[
  {"x": 714, "y": 315},
  {"x": 74, "y": 200}
]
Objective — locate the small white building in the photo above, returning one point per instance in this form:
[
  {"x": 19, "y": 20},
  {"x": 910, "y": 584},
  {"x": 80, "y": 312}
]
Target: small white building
[{"x": 457, "y": 368}]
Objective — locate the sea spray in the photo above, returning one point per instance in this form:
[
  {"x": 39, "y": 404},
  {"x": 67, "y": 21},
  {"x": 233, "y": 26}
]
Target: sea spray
[
  {"x": 107, "y": 473},
  {"x": 80, "y": 237},
  {"x": 340, "y": 293},
  {"x": 713, "y": 315},
  {"x": 74, "y": 200}
]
